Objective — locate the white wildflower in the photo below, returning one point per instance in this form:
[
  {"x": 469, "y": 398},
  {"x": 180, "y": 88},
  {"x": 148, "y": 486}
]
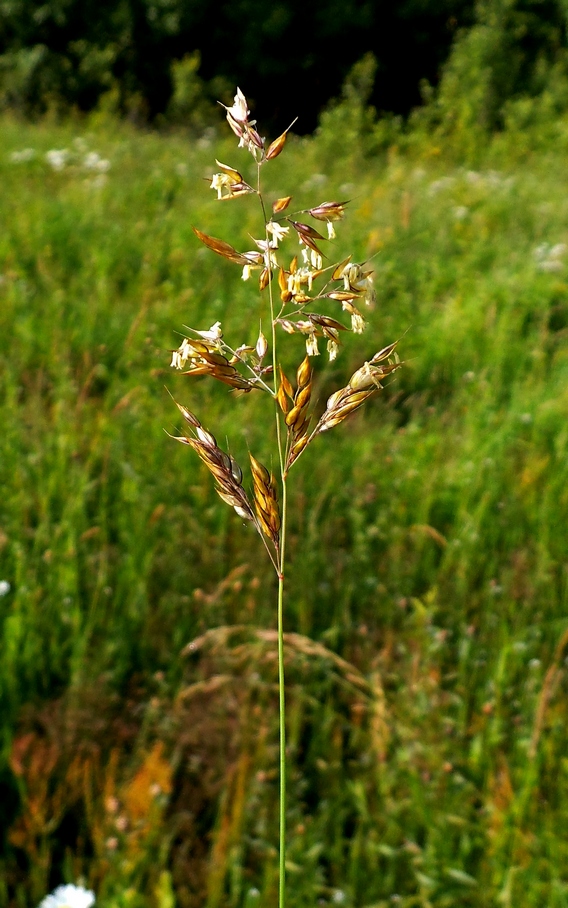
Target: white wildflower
[
  {"x": 541, "y": 251},
  {"x": 93, "y": 161},
  {"x": 69, "y": 896},
  {"x": 4, "y": 588},
  {"x": 551, "y": 265},
  {"x": 57, "y": 158},
  {"x": 548, "y": 257},
  {"x": 97, "y": 182},
  {"x": 440, "y": 185},
  {"x": 19, "y": 157}
]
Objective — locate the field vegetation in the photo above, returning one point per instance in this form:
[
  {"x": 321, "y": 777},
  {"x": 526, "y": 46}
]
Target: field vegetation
[{"x": 428, "y": 585}]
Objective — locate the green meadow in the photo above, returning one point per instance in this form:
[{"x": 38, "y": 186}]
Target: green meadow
[{"x": 426, "y": 602}]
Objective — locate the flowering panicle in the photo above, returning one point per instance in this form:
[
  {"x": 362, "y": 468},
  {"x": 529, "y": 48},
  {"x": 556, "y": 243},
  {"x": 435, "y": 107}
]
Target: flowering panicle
[{"x": 305, "y": 284}]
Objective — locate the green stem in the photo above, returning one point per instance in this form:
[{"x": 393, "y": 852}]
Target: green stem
[
  {"x": 282, "y": 706},
  {"x": 281, "y": 561}
]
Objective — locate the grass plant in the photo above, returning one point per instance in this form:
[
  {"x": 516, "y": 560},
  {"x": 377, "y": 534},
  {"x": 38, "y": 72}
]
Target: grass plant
[
  {"x": 427, "y": 766},
  {"x": 304, "y": 284}
]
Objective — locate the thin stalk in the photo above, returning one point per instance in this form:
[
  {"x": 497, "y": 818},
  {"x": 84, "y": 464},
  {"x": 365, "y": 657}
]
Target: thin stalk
[
  {"x": 282, "y": 706},
  {"x": 282, "y": 555}
]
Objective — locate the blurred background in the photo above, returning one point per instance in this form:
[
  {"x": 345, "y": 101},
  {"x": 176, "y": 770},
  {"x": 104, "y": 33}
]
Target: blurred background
[{"x": 427, "y": 591}]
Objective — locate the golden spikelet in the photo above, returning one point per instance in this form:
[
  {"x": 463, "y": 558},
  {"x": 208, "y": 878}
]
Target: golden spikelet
[
  {"x": 364, "y": 382},
  {"x": 297, "y": 419},
  {"x": 266, "y": 500},
  {"x": 224, "y": 468}
]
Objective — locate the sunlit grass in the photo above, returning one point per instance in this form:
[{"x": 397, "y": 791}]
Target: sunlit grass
[{"x": 428, "y": 542}]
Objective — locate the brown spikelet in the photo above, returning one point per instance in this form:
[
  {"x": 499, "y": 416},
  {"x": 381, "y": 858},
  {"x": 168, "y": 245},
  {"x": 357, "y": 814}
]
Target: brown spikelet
[
  {"x": 338, "y": 270},
  {"x": 328, "y": 211},
  {"x": 204, "y": 359},
  {"x": 281, "y": 204},
  {"x": 264, "y": 279},
  {"x": 276, "y": 147},
  {"x": 304, "y": 373},
  {"x": 285, "y": 294},
  {"x": 286, "y": 384},
  {"x": 234, "y": 175},
  {"x": 221, "y": 248},
  {"x": 282, "y": 400},
  {"x": 298, "y": 447},
  {"x": 265, "y": 500},
  {"x": 305, "y": 230},
  {"x": 343, "y": 295},
  {"x": 340, "y": 405},
  {"x": 224, "y": 468}
]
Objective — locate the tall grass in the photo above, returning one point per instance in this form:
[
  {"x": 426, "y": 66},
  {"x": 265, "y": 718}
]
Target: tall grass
[{"x": 428, "y": 545}]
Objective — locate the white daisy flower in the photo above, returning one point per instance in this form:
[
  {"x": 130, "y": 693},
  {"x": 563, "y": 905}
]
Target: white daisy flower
[
  {"x": 57, "y": 158},
  {"x": 69, "y": 896}
]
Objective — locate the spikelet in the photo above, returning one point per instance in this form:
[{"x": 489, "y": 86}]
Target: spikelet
[
  {"x": 266, "y": 500},
  {"x": 297, "y": 419},
  {"x": 362, "y": 384},
  {"x": 224, "y": 468},
  {"x": 204, "y": 359}
]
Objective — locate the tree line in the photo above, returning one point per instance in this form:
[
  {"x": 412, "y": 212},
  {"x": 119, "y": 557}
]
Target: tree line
[{"x": 171, "y": 59}]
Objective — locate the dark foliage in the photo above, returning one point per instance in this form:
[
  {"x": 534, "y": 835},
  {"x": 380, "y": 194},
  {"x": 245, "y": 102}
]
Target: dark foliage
[{"x": 291, "y": 56}]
